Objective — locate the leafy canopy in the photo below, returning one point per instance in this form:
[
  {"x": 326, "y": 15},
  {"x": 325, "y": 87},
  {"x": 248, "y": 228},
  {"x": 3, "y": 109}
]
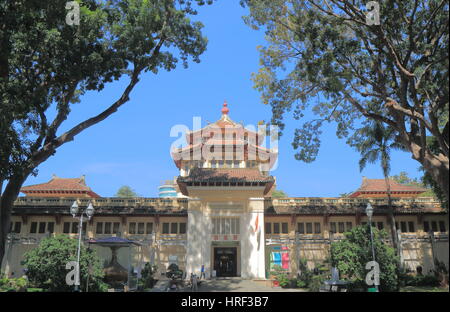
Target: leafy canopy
[
  {"x": 46, "y": 265},
  {"x": 351, "y": 254},
  {"x": 323, "y": 62},
  {"x": 126, "y": 191},
  {"x": 46, "y": 64}
]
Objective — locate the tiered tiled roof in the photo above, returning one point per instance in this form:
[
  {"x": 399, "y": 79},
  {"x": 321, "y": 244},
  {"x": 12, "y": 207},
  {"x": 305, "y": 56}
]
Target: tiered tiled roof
[
  {"x": 60, "y": 187},
  {"x": 214, "y": 135},
  {"x": 377, "y": 188},
  {"x": 225, "y": 177}
]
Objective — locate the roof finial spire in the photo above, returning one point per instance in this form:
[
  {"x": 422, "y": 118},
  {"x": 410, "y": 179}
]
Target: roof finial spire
[{"x": 225, "y": 109}]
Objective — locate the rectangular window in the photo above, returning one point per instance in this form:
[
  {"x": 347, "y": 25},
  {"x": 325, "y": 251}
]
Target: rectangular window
[
  {"x": 426, "y": 226},
  {"x": 108, "y": 228},
  {"x": 84, "y": 228},
  {"x": 18, "y": 227},
  {"x": 116, "y": 227},
  {"x": 227, "y": 226},
  {"x": 442, "y": 227},
  {"x": 333, "y": 227},
  {"x": 284, "y": 228},
  {"x": 51, "y": 227},
  {"x": 74, "y": 227},
  {"x": 41, "y": 227},
  {"x": 403, "y": 227},
  {"x": 411, "y": 227},
  {"x": 165, "y": 229},
  {"x": 174, "y": 228},
  {"x": 276, "y": 228},
  {"x": 132, "y": 228},
  {"x": 99, "y": 228},
  {"x": 141, "y": 228},
  {"x": 233, "y": 226},
  {"x": 396, "y": 226},
  {"x": 309, "y": 229},
  {"x": 215, "y": 227},
  {"x": 33, "y": 227},
  {"x": 380, "y": 225},
  {"x": 66, "y": 227},
  {"x": 268, "y": 227},
  {"x": 348, "y": 226},
  {"x": 301, "y": 228},
  {"x": 222, "y": 226},
  {"x": 149, "y": 227},
  {"x": 317, "y": 228},
  {"x": 183, "y": 228},
  {"x": 341, "y": 227},
  {"x": 434, "y": 226},
  {"x": 238, "y": 226}
]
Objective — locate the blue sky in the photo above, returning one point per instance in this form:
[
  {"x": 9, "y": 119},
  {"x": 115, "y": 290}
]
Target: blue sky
[{"x": 132, "y": 146}]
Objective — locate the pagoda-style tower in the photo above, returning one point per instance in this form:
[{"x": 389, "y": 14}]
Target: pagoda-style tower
[{"x": 225, "y": 172}]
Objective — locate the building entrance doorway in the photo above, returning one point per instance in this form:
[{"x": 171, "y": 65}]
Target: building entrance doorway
[{"x": 225, "y": 261}]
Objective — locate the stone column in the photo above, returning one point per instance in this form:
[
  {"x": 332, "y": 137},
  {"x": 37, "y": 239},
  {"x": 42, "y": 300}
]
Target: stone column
[
  {"x": 252, "y": 241},
  {"x": 198, "y": 251}
]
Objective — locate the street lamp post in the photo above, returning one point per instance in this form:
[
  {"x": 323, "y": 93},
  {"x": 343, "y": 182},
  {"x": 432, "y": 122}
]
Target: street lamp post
[
  {"x": 89, "y": 213},
  {"x": 369, "y": 212}
]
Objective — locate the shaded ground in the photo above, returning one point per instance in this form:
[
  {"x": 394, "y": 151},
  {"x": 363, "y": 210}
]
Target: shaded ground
[
  {"x": 229, "y": 285},
  {"x": 423, "y": 289}
]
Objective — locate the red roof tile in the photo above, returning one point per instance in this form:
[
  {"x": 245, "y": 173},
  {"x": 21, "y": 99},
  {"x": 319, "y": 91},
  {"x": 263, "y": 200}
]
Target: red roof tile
[
  {"x": 379, "y": 185},
  {"x": 60, "y": 184}
]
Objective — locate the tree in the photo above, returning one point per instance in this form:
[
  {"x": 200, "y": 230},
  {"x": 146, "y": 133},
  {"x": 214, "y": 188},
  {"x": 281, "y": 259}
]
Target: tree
[
  {"x": 126, "y": 191},
  {"x": 46, "y": 265},
  {"x": 351, "y": 255},
  {"x": 403, "y": 178},
  {"x": 375, "y": 143},
  {"x": 278, "y": 194},
  {"x": 46, "y": 65},
  {"x": 333, "y": 60}
]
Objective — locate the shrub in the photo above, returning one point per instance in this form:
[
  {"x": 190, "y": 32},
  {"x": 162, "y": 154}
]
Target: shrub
[
  {"x": 281, "y": 276},
  {"x": 305, "y": 274},
  {"x": 147, "y": 280},
  {"x": 13, "y": 284},
  {"x": 351, "y": 255},
  {"x": 441, "y": 273},
  {"x": 46, "y": 265}
]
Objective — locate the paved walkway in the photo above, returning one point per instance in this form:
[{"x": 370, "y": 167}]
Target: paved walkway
[
  {"x": 228, "y": 285},
  {"x": 240, "y": 285}
]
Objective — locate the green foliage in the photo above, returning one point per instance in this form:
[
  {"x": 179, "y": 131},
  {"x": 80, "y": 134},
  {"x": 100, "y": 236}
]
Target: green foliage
[
  {"x": 46, "y": 265},
  {"x": 306, "y": 274},
  {"x": 351, "y": 254},
  {"x": 147, "y": 280},
  {"x": 323, "y": 63},
  {"x": 174, "y": 272},
  {"x": 281, "y": 276},
  {"x": 126, "y": 191},
  {"x": 13, "y": 284},
  {"x": 279, "y": 194}
]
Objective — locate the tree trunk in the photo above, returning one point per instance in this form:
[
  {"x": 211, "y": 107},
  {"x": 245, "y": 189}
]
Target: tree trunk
[
  {"x": 436, "y": 165},
  {"x": 393, "y": 228},
  {"x": 7, "y": 199}
]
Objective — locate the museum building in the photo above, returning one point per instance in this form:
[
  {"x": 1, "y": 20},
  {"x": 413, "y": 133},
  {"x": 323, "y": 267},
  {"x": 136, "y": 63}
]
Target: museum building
[{"x": 219, "y": 214}]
